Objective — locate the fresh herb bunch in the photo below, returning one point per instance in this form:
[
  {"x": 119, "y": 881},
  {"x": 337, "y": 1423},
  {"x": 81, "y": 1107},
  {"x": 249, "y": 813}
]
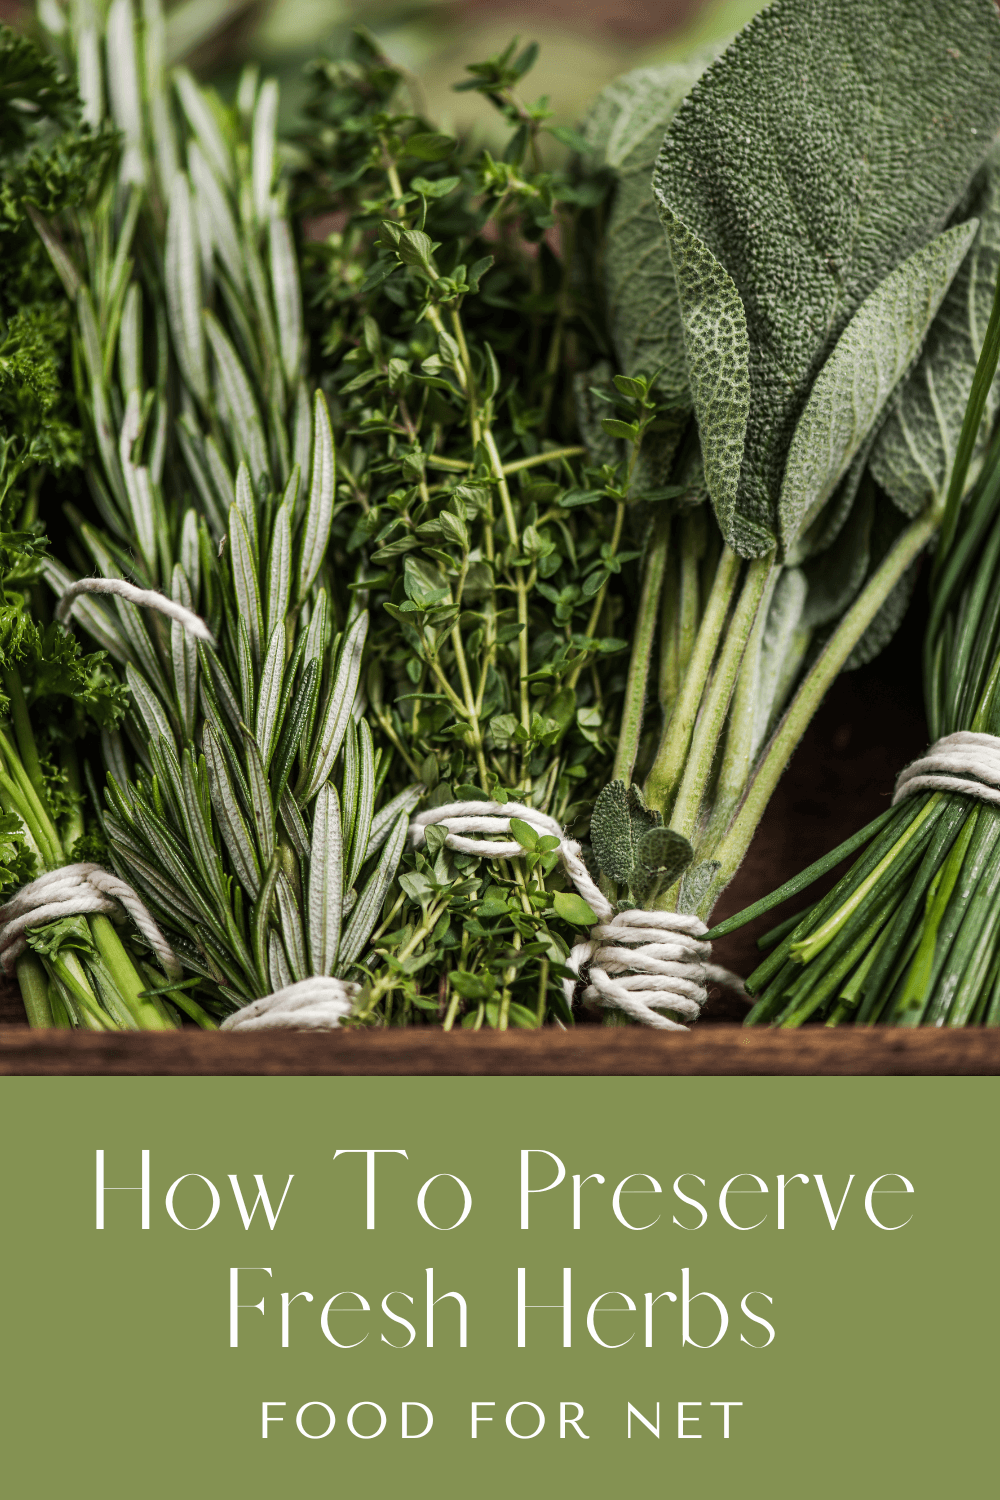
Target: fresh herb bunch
[
  {"x": 76, "y": 970},
  {"x": 797, "y": 320},
  {"x": 492, "y": 542},
  {"x": 213, "y": 472},
  {"x": 908, "y": 936}
]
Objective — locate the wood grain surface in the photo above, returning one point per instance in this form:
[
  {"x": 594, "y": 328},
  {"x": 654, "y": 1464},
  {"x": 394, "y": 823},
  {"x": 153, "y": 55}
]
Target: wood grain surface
[{"x": 426, "y": 1052}]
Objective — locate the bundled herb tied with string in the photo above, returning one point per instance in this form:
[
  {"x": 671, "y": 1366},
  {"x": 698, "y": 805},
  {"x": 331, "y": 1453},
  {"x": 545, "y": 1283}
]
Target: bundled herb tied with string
[
  {"x": 909, "y": 936},
  {"x": 213, "y": 470},
  {"x": 491, "y": 542},
  {"x": 813, "y": 334},
  {"x": 77, "y": 969}
]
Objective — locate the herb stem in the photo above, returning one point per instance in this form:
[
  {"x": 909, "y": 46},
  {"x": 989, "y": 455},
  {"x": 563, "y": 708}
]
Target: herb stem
[
  {"x": 852, "y": 627},
  {"x": 668, "y": 766},
  {"x": 642, "y": 649}
]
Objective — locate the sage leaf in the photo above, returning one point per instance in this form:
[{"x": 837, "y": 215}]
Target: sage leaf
[
  {"x": 875, "y": 350},
  {"x": 899, "y": 102},
  {"x": 915, "y": 450},
  {"x": 624, "y": 131}
]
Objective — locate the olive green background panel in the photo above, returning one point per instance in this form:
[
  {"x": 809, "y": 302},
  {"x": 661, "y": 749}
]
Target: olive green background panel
[{"x": 118, "y": 1378}]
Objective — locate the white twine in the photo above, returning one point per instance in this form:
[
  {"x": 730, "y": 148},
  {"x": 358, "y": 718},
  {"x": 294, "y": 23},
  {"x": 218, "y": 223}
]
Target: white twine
[
  {"x": 147, "y": 598},
  {"x": 317, "y": 1004},
  {"x": 77, "y": 890},
  {"x": 639, "y": 962},
  {"x": 962, "y": 762}
]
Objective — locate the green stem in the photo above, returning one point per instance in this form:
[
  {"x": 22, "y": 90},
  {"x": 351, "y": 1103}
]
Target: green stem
[
  {"x": 22, "y": 729},
  {"x": 34, "y": 985},
  {"x": 793, "y": 726},
  {"x": 669, "y": 764},
  {"x": 642, "y": 650},
  {"x": 986, "y": 368},
  {"x": 147, "y": 1014},
  {"x": 711, "y": 720}
]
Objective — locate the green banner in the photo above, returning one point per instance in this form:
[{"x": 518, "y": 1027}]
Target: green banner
[{"x": 712, "y": 1286}]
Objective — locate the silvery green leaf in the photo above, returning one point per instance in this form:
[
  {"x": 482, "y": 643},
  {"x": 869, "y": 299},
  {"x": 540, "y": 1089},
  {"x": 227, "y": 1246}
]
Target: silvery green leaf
[
  {"x": 330, "y": 735},
  {"x": 153, "y": 47},
  {"x": 90, "y": 342},
  {"x": 835, "y": 576},
  {"x": 265, "y": 356},
  {"x": 278, "y": 971},
  {"x": 269, "y": 693},
  {"x": 366, "y": 802},
  {"x": 142, "y": 871},
  {"x": 287, "y": 296},
  {"x": 326, "y": 882},
  {"x": 245, "y": 581},
  {"x": 244, "y": 656},
  {"x": 279, "y": 572},
  {"x": 190, "y": 553},
  {"x": 222, "y": 480},
  {"x": 369, "y": 904},
  {"x": 182, "y": 276},
  {"x": 349, "y": 783},
  {"x": 260, "y": 797},
  {"x": 123, "y": 88},
  {"x": 886, "y": 526},
  {"x": 696, "y": 884},
  {"x": 915, "y": 449},
  {"x": 243, "y": 418},
  {"x": 195, "y": 460},
  {"x": 198, "y": 818},
  {"x": 784, "y": 619},
  {"x": 265, "y": 119},
  {"x": 294, "y": 826},
  {"x": 873, "y": 353},
  {"x": 158, "y": 445},
  {"x": 246, "y": 507},
  {"x": 214, "y": 202},
  {"x": 89, "y": 74},
  {"x": 204, "y": 124},
  {"x": 184, "y": 652},
  {"x": 113, "y": 755},
  {"x": 840, "y": 82},
  {"x": 138, "y": 485},
  {"x": 316, "y": 633},
  {"x": 291, "y": 928},
  {"x": 319, "y": 509},
  {"x": 625, "y": 129},
  {"x": 302, "y": 437},
  {"x": 296, "y": 725},
  {"x": 221, "y": 688},
  {"x": 148, "y": 706},
  {"x": 130, "y": 341},
  {"x": 385, "y": 818},
  {"x": 717, "y": 350},
  {"x": 232, "y": 825}
]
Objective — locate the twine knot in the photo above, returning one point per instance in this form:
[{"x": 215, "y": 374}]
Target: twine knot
[
  {"x": 77, "y": 890},
  {"x": 639, "y": 962},
  {"x": 316, "y": 1004},
  {"x": 964, "y": 762}
]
